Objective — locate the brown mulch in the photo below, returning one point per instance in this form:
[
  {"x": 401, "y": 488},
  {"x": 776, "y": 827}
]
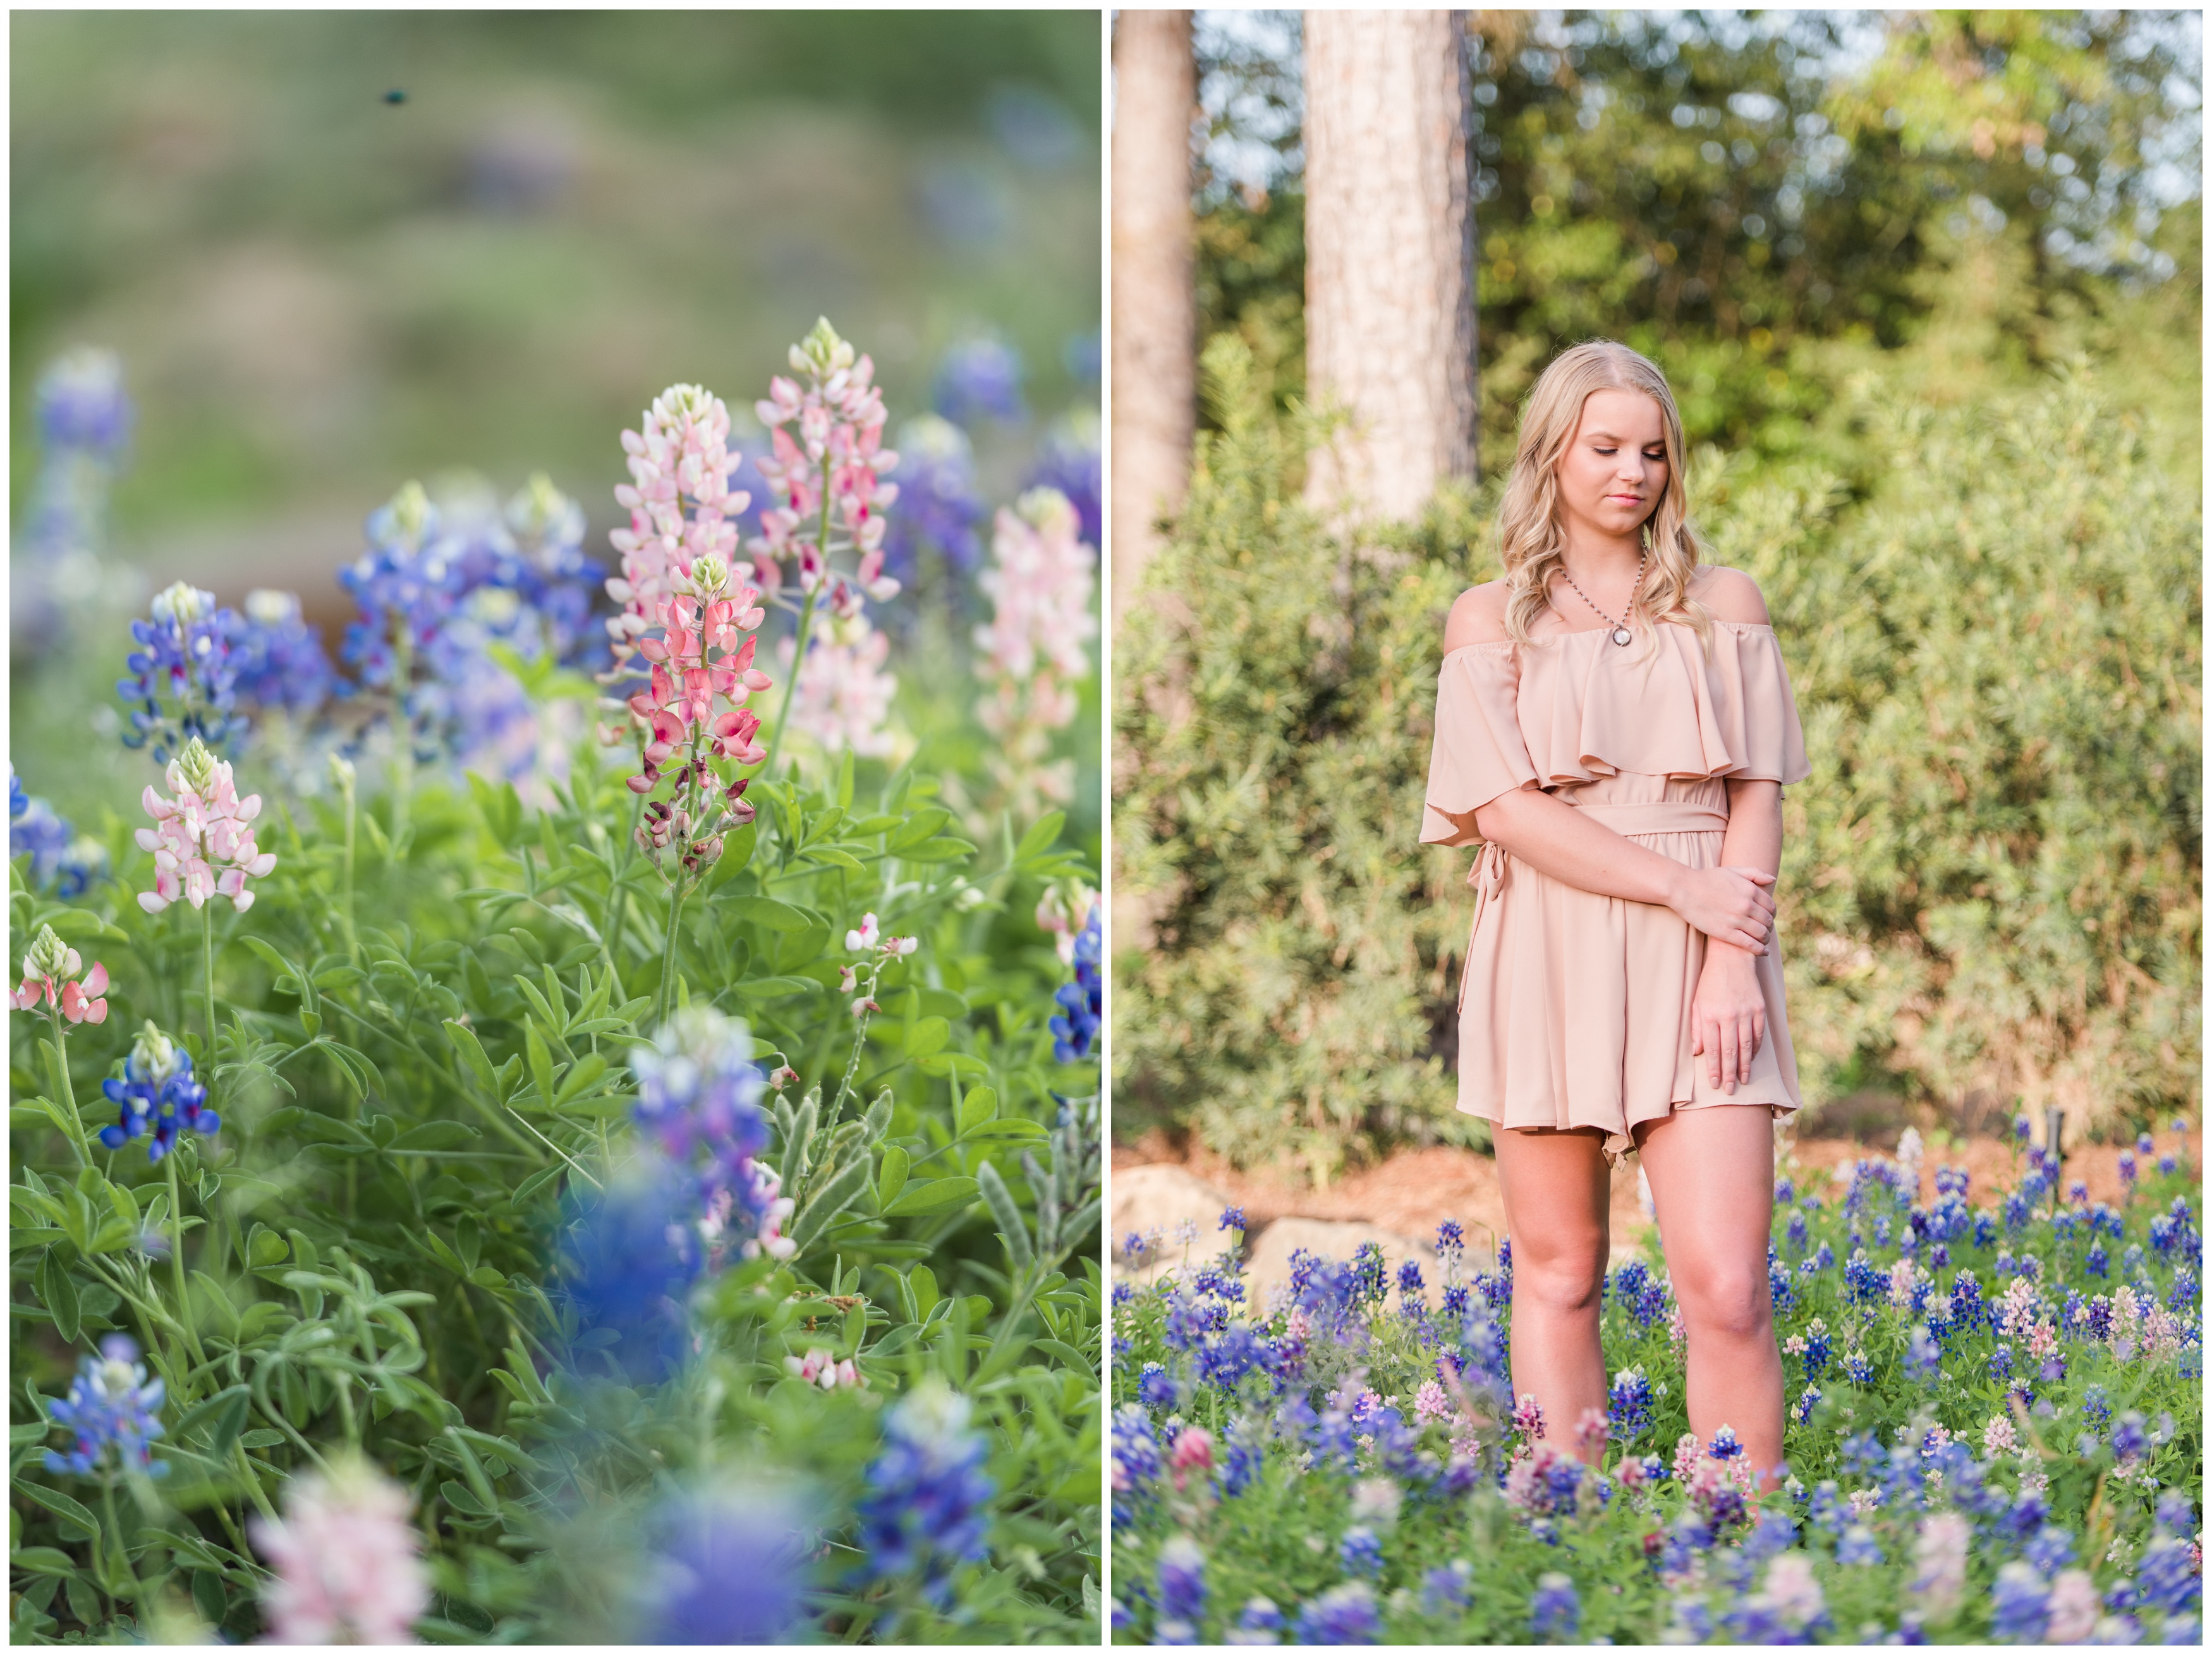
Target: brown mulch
[{"x": 1411, "y": 1190}]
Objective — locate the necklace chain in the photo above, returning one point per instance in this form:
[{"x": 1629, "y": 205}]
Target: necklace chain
[{"x": 1618, "y": 626}]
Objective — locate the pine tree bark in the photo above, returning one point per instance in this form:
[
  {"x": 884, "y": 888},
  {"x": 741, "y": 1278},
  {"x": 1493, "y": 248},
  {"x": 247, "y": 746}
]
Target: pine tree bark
[
  {"x": 1155, "y": 383},
  {"x": 1390, "y": 256}
]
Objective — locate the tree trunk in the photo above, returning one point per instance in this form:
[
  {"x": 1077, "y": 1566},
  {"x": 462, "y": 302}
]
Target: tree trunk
[
  {"x": 1390, "y": 262},
  {"x": 1155, "y": 383}
]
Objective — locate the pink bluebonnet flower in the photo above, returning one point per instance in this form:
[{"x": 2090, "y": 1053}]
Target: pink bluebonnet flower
[
  {"x": 202, "y": 839},
  {"x": 1193, "y": 1452},
  {"x": 1528, "y": 1417},
  {"x": 682, "y": 457},
  {"x": 867, "y": 939},
  {"x": 1940, "y": 1556},
  {"x": 111, "y": 1406},
  {"x": 844, "y": 698},
  {"x": 693, "y": 712},
  {"x": 51, "y": 969},
  {"x": 837, "y": 454},
  {"x": 347, "y": 1560},
  {"x": 1031, "y": 654},
  {"x": 819, "y": 1367},
  {"x": 2074, "y": 1608}
]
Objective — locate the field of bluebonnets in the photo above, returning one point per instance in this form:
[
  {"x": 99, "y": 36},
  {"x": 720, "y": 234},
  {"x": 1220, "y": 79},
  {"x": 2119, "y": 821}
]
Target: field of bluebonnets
[
  {"x": 574, "y": 1115},
  {"x": 1995, "y": 1435}
]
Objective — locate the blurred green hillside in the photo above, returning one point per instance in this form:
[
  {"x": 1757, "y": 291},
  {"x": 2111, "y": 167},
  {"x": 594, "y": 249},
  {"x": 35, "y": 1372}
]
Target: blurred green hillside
[{"x": 318, "y": 291}]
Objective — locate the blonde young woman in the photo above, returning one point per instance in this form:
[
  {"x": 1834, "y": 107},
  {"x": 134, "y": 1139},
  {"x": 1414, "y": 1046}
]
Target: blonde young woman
[{"x": 1615, "y": 728}]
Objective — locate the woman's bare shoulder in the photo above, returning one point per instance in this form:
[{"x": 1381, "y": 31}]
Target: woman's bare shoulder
[
  {"x": 1478, "y": 615},
  {"x": 1730, "y": 594}
]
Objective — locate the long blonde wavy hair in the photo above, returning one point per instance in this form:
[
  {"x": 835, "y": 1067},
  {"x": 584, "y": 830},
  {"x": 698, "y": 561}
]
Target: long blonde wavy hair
[{"x": 1530, "y": 540}]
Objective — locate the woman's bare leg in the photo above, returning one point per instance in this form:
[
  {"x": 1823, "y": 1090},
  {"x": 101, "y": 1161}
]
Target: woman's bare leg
[
  {"x": 1711, "y": 1173},
  {"x": 1557, "y": 1190}
]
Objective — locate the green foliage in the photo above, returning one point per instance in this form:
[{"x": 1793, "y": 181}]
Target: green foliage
[
  {"x": 1267, "y": 803},
  {"x": 1708, "y": 188},
  {"x": 361, "y": 1257},
  {"x": 1991, "y": 881}
]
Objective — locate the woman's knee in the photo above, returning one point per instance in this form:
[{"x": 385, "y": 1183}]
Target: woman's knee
[
  {"x": 1565, "y": 1274},
  {"x": 1732, "y": 1303}
]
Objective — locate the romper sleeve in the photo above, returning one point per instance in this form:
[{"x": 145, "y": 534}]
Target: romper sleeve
[
  {"x": 1479, "y": 754},
  {"x": 1752, "y": 707}
]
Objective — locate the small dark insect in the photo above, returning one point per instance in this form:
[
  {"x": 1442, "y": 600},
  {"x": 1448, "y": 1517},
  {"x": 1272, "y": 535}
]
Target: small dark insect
[{"x": 396, "y": 95}]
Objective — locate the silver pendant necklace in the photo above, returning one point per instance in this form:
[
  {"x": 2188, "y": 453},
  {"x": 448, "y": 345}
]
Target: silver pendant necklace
[{"x": 1621, "y": 634}]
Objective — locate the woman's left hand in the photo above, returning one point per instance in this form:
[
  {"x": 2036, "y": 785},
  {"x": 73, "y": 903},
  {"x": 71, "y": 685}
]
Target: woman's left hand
[{"x": 1727, "y": 1015}]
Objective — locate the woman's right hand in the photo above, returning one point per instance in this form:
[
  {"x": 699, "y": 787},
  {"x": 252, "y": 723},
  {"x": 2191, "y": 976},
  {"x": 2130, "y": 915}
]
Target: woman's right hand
[{"x": 1732, "y": 904}]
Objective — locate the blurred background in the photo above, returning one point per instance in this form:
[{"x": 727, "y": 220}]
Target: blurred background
[
  {"x": 1928, "y": 287},
  {"x": 335, "y": 251}
]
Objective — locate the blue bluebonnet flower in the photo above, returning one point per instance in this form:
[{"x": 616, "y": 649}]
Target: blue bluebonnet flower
[
  {"x": 1081, "y": 1001},
  {"x": 110, "y": 1405},
  {"x": 59, "y": 857},
  {"x": 82, "y": 405},
  {"x": 278, "y": 658},
  {"x": 1137, "y": 1462},
  {"x": 441, "y": 586},
  {"x": 1555, "y": 1612},
  {"x": 1924, "y": 1357},
  {"x": 1156, "y": 1387},
  {"x": 1784, "y": 1192},
  {"x": 1360, "y": 1552},
  {"x": 1259, "y": 1622},
  {"x": 2052, "y": 1548},
  {"x": 1447, "y": 1588},
  {"x": 183, "y": 683},
  {"x": 159, "y": 1097},
  {"x": 1628, "y": 1405},
  {"x": 1183, "y": 1590},
  {"x": 927, "y": 1511},
  {"x": 1246, "y": 1457},
  {"x": 1344, "y": 1614},
  {"x": 1724, "y": 1444},
  {"x": 1232, "y": 1218},
  {"x": 728, "y": 1567},
  {"x": 2020, "y": 1604},
  {"x": 698, "y": 1095},
  {"x": 1859, "y": 1545},
  {"x": 629, "y": 1256},
  {"x": 1409, "y": 1280},
  {"x": 1068, "y": 459},
  {"x": 980, "y": 378},
  {"x": 940, "y": 503}
]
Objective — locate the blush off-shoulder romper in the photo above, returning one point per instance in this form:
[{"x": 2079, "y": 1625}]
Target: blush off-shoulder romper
[{"x": 1574, "y": 1008}]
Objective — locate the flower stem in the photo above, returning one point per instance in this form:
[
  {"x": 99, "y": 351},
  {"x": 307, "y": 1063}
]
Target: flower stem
[
  {"x": 207, "y": 966},
  {"x": 345, "y": 906},
  {"x": 667, "y": 989},
  {"x": 58, "y": 1062},
  {"x": 403, "y": 730},
  {"x": 176, "y": 1257},
  {"x": 791, "y": 686}
]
